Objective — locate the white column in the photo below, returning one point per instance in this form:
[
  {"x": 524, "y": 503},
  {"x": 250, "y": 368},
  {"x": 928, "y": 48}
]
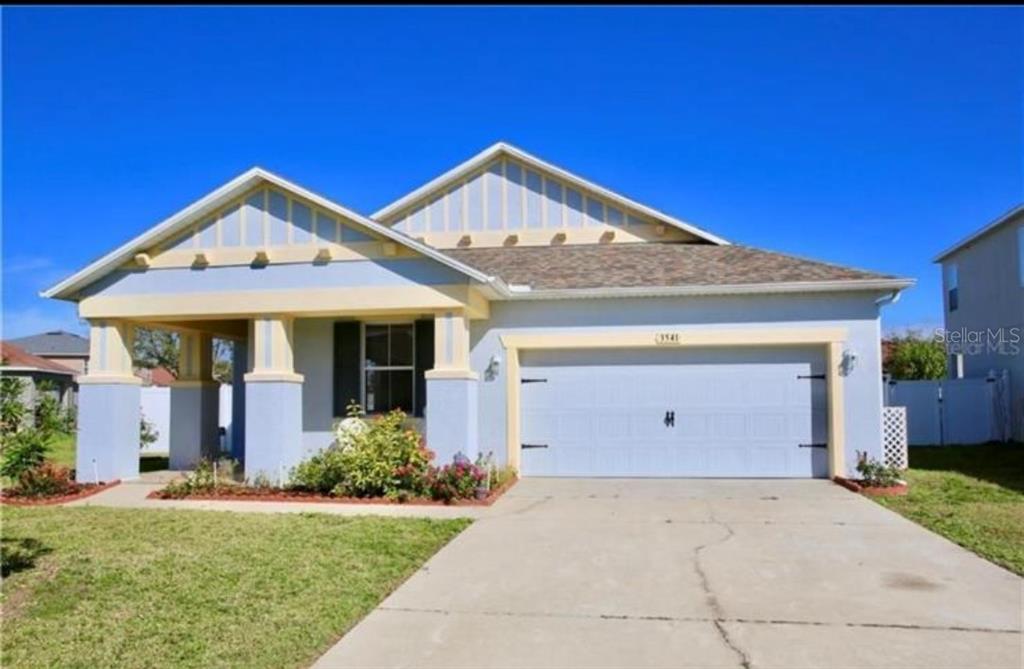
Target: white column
[{"x": 108, "y": 406}]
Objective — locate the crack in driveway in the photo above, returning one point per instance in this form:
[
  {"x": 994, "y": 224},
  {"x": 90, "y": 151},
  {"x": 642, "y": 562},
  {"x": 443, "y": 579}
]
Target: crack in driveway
[
  {"x": 698, "y": 619},
  {"x": 709, "y": 595}
]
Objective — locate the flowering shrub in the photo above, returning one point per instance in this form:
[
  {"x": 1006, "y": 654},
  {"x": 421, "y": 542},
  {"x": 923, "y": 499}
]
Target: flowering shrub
[
  {"x": 875, "y": 473},
  {"x": 384, "y": 459},
  {"x": 458, "y": 480}
]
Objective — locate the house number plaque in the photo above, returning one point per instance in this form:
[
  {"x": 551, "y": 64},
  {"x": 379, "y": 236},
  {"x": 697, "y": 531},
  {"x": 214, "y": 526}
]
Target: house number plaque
[{"x": 667, "y": 339}]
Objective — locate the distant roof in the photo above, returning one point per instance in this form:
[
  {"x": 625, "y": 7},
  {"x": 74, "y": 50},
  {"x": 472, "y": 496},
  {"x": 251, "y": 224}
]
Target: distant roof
[
  {"x": 662, "y": 265},
  {"x": 55, "y": 342},
  {"x": 15, "y": 357},
  {"x": 157, "y": 376},
  {"x": 978, "y": 234}
]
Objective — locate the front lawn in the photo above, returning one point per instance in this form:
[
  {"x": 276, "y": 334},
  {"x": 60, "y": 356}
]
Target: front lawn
[
  {"x": 62, "y": 451},
  {"x": 973, "y": 495},
  {"x": 93, "y": 587}
]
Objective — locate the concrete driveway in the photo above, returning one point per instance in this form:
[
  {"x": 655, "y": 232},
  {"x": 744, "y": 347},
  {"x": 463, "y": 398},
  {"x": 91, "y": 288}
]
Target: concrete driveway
[{"x": 693, "y": 573}]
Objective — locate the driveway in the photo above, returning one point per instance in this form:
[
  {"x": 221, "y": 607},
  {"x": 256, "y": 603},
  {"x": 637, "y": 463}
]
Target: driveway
[{"x": 693, "y": 573}]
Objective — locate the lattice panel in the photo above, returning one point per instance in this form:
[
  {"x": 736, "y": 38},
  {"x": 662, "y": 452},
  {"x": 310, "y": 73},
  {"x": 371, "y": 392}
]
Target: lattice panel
[{"x": 894, "y": 436}]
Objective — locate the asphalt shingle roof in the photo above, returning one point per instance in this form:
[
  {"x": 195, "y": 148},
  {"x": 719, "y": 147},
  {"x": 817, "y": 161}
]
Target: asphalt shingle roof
[
  {"x": 648, "y": 264},
  {"x": 57, "y": 342}
]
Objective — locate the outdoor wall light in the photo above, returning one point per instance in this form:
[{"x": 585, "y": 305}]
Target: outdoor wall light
[
  {"x": 849, "y": 361},
  {"x": 493, "y": 367}
]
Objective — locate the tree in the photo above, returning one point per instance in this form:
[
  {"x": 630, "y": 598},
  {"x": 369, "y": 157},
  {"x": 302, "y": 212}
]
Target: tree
[
  {"x": 156, "y": 348},
  {"x": 914, "y": 357},
  {"x": 12, "y": 408}
]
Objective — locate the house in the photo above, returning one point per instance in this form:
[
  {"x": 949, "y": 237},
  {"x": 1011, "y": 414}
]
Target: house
[
  {"x": 517, "y": 307},
  {"x": 39, "y": 375},
  {"x": 983, "y": 306},
  {"x": 65, "y": 348}
]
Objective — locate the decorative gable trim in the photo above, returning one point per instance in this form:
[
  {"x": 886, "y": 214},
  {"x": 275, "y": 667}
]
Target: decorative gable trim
[
  {"x": 222, "y": 197},
  {"x": 483, "y": 163}
]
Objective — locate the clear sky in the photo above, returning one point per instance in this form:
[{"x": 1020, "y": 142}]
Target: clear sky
[{"x": 871, "y": 137}]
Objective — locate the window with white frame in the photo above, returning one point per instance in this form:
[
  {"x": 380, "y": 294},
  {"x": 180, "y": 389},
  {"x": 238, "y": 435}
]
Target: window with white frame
[
  {"x": 952, "y": 287},
  {"x": 389, "y": 367}
]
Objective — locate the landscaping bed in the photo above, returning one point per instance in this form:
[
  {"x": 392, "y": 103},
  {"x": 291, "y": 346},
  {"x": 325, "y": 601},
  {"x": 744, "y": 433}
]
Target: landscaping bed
[
  {"x": 861, "y": 486},
  {"x": 378, "y": 460},
  {"x": 76, "y": 491},
  {"x": 100, "y": 587},
  {"x": 237, "y": 492}
]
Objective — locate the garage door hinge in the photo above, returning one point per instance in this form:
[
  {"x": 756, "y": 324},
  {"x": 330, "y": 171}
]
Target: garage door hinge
[
  {"x": 820, "y": 377},
  {"x": 533, "y": 380},
  {"x": 533, "y": 445},
  {"x": 812, "y": 445}
]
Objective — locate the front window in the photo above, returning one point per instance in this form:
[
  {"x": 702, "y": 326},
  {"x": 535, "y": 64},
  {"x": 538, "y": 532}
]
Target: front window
[
  {"x": 952, "y": 286},
  {"x": 388, "y": 367}
]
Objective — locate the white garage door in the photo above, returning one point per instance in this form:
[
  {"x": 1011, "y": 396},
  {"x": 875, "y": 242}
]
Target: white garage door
[{"x": 674, "y": 412}]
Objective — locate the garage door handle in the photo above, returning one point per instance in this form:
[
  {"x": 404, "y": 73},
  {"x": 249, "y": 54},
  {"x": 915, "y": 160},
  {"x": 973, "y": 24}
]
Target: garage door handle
[
  {"x": 670, "y": 419},
  {"x": 533, "y": 445},
  {"x": 812, "y": 445}
]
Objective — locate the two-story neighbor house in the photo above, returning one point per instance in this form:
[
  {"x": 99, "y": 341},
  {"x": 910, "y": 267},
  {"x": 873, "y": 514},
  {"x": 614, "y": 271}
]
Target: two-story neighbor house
[
  {"x": 517, "y": 307},
  {"x": 983, "y": 306}
]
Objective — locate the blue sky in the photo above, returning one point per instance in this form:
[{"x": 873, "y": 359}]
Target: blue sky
[{"x": 873, "y": 137}]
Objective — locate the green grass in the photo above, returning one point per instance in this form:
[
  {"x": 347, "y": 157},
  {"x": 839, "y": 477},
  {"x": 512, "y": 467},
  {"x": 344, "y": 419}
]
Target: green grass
[
  {"x": 972, "y": 495},
  {"x": 93, "y": 587},
  {"x": 62, "y": 451}
]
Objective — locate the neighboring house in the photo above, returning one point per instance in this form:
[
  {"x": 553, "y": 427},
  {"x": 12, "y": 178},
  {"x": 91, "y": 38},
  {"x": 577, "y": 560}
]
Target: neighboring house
[
  {"x": 37, "y": 373},
  {"x": 65, "y": 348},
  {"x": 983, "y": 306},
  {"x": 519, "y": 308}
]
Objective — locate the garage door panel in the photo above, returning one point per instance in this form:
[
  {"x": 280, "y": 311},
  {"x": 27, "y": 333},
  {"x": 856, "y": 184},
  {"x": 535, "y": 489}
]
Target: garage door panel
[{"x": 738, "y": 413}]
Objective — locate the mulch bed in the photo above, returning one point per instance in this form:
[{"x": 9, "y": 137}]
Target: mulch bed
[
  {"x": 82, "y": 490},
  {"x": 240, "y": 493},
  {"x": 897, "y": 490}
]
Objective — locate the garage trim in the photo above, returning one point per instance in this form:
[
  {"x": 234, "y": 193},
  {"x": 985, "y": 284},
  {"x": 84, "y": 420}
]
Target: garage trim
[{"x": 831, "y": 338}]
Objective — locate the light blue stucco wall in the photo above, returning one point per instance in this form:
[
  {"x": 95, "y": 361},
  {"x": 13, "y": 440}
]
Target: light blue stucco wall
[
  {"x": 314, "y": 359},
  {"x": 273, "y": 417},
  {"x": 108, "y": 432},
  {"x": 373, "y": 273},
  {"x": 856, "y": 312}
]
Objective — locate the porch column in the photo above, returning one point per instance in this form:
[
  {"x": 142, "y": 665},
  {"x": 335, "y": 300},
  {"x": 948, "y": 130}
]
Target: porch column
[
  {"x": 273, "y": 401},
  {"x": 108, "y": 406},
  {"x": 194, "y": 403},
  {"x": 239, "y": 365},
  {"x": 452, "y": 389}
]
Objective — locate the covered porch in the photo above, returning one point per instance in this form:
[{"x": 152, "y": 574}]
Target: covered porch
[{"x": 293, "y": 374}]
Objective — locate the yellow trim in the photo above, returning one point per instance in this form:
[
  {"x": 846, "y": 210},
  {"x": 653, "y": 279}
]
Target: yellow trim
[
  {"x": 451, "y": 374},
  {"x": 456, "y": 324},
  {"x": 273, "y": 377},
  {"x": 831, "y": 338},
  {"x": 545, "y": 237},
  {"x": 293, "y": 253},
  {"x": 306, "y": 302},
  {"x": 109, "y": 379},
  {"x": 836, "y": 412},
  {"x": 110, "y": 348}
]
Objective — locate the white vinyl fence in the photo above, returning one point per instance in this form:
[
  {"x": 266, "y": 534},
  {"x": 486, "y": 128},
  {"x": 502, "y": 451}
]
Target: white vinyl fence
[
  {"x": 954, "y": 411},
  {"x": 155, "y": 403}
]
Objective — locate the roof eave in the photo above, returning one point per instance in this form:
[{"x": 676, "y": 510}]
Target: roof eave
[
  {"x": 853, "y": 285},
  {"x": 978, "y": 234}
]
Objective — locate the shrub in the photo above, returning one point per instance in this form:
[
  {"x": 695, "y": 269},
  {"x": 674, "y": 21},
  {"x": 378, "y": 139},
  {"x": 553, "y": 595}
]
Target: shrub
[
  {"x": 148, "y": 434},
  {"x": 385, "y": 459},
  {"x": 12, "y": 411},
  {"x": 875, "y": 473},
  {"x": 207, "y": 477},
  {"x": 50, "y": 418},
  {"x": 22, "y": 451},
  {"x": 458, "y": 480},
  {"x": 45, "y": 480},
  {"x": 914, "y": 357}
]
